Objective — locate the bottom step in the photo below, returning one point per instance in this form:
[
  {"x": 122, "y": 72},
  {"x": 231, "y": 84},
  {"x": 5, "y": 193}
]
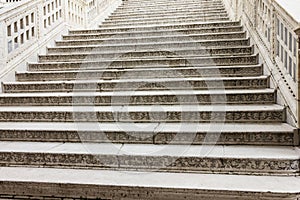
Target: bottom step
[{"x": 43, "y": 183}]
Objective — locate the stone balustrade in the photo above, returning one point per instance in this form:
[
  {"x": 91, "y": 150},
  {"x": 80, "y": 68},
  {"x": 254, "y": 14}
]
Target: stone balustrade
[
  {"x": 274, "y": 29},
  {"x": 27, "y": 26}
]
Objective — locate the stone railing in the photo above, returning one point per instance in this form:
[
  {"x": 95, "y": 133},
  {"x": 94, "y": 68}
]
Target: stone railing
[
  {"x": 274, "y": 28},
  {"x": 28, "y": 25}
]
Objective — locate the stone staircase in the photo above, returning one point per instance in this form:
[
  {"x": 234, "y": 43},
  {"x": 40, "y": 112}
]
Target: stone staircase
[{"x": 165, "y": 100}]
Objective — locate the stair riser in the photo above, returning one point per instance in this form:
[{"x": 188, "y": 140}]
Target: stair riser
[
  {"x": 136, "y": 86},
  {"x": 179, "y": 15},
  {"x": 208, "y": 19},
  {"x": 181, "y": 38},
  {"x": 152, "y": 54},
  {"x": 154, "y": 33},
  {"x": 157, "y": 28},
  {"x": 266, "y": 98},
  {"x": 58, "y": 191},
  {"x": 270, "y": 116},
  {"x": 148, "y": 162},
  {"x": 143, "y": 47},
  {"x": 226, "y": 138},
  {"x": 214, "y": 61},
  {"x": 105, "y": 75}
]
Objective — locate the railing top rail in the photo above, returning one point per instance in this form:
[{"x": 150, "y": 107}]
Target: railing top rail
[{"x": 13, "y": 7}]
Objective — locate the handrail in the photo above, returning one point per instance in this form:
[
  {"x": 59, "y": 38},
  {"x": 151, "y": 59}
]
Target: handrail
[
  {"x": 275, "y": 32},
  {"x": 27, "y": 24}
]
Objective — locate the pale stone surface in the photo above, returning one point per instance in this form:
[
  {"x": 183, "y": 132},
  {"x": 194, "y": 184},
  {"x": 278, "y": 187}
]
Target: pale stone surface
[{"x": 170, "y": 180}]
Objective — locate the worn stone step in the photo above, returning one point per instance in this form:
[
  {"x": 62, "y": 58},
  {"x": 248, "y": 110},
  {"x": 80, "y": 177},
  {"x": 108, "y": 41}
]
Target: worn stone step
[
  {"x": 127, "y": 185},
  {"x": 152, "y": 133},
  {"x": 167, "y": 15},
  {"x": 180, "y": 16},
  {"x": 148, "y": 157},
  {"x": 146, "y": 114},
  {"x": 154, "y": 33},
  {"x": 158, "y": 27},
  {"x": 110, "y": 74},
  {"x": 138, "y": 84},
  {"x": 153, "y": 39},
  {"x": 166, "y": 5},
  {"x": 134, "y": 3},
  {"x": 160, "y": 10},
  {"x": 186, "y": 97},
  {"x": 146, "y": 63},
  {"x": 247, "y": 50},
  {"x": 162, "y": 46},
  {"x": 168, "y": 19},
  {"x": 133, "y": 25}
]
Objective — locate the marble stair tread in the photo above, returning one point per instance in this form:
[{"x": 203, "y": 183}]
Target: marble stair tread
[
  {"x": 150, "y": 127},
  {"x": 168, "y": 9},
  {"x": 158, "y": 26},
  {"x": 136, "y": 69},
  {"x": 169, "y": 185},
  {"x": 143, "y": 80},
  {"x": 180, "y": 35},
  {"x": 211, "y": 18},
  {"x": 236, "y": 28},
  {"x": 220, "y": 151},
  {"x": 174, "y": 6},
  {"x": 153, "y": 25},
  {"x": 144, "y": 108},
  {"x": 178, "y": 51},
  {"x": 197, "y": 43},
  {"x": 200, "y": 186},
  {"x": 161, "y": 12},
  {"x": 187, "y": 61},
  {"x": 140, "y": 93},
  {"x": 116, "y": 18}
]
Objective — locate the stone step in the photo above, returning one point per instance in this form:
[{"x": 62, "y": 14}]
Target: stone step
[
  {"x": 260, "y": 82},
  {"x": 162, "y": 46},
  {"x": 167, "y": 15},
  {"x": 146, "y": 114},
  {"x": 127, "y": 185},
  {"x": 186, "y": 97},
  {"x": 146, "y": 63},
  {"x": 154, "y": 39},
  {"x": 267, "y": 134},
  {"x": 154, "y": 33},
  {"x": 111, "y": 74},
  {"x": 174, "y": 8},
  {"x": 148, "y": 157},
  {"x": 220, "y": 51},
  {"x": 161, "y": 19},
  {"x": 143, "y": 2},
  {"x": 158, "y": 27},
  {"x": 166, "y": 5},
  {"x": 165, "y": 21},
  {"x": 133, "y": 25},
  {"x": 160, "y": 10}
]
